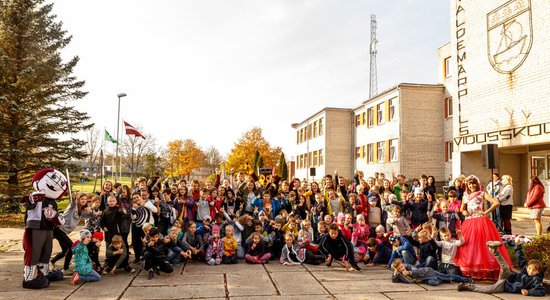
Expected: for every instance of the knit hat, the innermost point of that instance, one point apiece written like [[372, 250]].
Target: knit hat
[[261, 213], [380, 228], [215, 228], [85, 233], [341, 216], [98, 236], [418, 191], [360, 217], [208, 218], [373, 199], [393, 238]]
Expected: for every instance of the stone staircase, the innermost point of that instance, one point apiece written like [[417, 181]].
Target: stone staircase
[[523, 214]]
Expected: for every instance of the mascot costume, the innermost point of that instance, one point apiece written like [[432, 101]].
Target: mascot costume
[[40, 218]]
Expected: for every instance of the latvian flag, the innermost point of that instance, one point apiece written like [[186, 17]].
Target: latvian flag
[[130, 130]]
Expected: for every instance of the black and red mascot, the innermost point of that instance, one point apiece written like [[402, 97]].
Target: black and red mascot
[[41, 217]]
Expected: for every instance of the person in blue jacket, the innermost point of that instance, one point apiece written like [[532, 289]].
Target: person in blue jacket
[[403, 249]]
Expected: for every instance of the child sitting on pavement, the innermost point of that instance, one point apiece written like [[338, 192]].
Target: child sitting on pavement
[[116, 256], [155, 261], [448, 250], [528, 282], [402, 249], [214, 251], [82, 261], [335, 246]]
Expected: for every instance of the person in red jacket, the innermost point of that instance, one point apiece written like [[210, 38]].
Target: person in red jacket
[[535, 202]]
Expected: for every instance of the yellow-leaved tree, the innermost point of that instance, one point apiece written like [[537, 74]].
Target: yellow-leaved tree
[[245, 148], [182, 158]]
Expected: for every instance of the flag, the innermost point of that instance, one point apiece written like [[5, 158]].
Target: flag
[[109, 138], [130, 130]]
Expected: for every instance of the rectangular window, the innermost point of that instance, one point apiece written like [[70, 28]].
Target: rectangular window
[[447, 66], [363, 118], [315, 129], [321, 161], [314, 161], [321, 126], [370, 154], [393, 150], [297, 137], [357, 120], [357, 154], [310, 159], [392, 108], [380, 113], [370, 117], [448, 151], [301, 135], [380, 152], [448, 107]]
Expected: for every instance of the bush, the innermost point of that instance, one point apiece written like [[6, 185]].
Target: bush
[[539, 249]]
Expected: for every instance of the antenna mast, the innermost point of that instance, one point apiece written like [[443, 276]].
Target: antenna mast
[[373, 84]]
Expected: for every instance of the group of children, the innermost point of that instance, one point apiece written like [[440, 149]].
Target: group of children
[[376, 220]]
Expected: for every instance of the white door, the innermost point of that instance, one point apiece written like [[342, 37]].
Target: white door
[[540, 168]]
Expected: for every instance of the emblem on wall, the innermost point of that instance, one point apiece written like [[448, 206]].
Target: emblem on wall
[[509, 35]]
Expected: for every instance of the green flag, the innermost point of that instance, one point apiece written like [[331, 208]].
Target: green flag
[[109, 138]]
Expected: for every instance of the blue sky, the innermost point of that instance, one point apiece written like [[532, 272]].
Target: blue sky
[[210, 70]]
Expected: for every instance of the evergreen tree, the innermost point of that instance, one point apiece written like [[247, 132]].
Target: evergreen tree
[[283, 168], [36, 121]]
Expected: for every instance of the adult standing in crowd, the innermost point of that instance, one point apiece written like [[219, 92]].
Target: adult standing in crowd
[[506, 199], [535, 202]]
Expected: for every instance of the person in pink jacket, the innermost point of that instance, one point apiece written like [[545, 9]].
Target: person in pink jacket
[[535, 202]]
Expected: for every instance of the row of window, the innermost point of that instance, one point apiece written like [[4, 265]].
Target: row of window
[[378, 114], [311, 159], [379, 152], [311, 131]]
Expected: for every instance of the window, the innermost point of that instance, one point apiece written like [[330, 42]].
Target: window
[[297, 137], [392, 108], [393, 150], [448, 107], [380, 153], [315, 129], [357, 152], [370, 154], [309, 159], [301, 135], [363, 118], [357, 120], [314, 161], [320, 157], [380, 113], [448, 151], [321, 126], [447, 66], [370, 117], [309, 132]]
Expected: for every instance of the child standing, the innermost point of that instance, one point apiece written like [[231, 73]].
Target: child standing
[[528, 282], [214, 252], [110, 220], [82, 262], [256, 251], [375, 213], [445, 218], [397, 222]]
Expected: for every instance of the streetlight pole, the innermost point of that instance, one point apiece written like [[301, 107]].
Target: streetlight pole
[[120, 95]]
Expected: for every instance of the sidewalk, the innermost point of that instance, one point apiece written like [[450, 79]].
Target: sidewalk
[[242, 281]]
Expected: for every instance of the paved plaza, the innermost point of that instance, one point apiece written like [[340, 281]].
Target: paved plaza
[[242, 281]]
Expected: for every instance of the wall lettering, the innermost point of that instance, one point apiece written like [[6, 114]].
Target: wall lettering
[[504, 135]]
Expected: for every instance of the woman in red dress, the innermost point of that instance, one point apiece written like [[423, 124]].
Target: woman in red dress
[[473, 257]]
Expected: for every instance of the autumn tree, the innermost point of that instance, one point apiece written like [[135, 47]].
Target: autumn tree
[[37, 119], [182, 158], [133, 151], [213, 159], [244, 150]]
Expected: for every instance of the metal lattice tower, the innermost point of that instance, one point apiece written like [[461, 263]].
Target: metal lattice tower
[[373, 83]]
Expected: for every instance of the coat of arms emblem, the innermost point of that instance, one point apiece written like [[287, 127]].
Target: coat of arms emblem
[[509, 35]]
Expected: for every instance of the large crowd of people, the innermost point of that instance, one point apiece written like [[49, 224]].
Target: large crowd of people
[[423, 235]]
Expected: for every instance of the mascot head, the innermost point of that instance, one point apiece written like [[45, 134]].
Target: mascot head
[[51, 182]]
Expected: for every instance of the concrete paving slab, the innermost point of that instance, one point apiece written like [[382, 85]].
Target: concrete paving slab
[[507, 296], [242, 267], [438, 295], [250, 284], [108, 288], [275, 266], [176, 292], [328, 276], [293, 283], [442, 287], [370, 286], [302, 297], [369, 296], [175, 280], [35, 294]]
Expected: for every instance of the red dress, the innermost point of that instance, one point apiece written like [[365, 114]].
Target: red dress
[[473, 257]]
